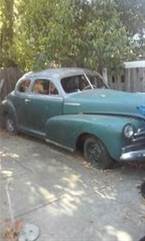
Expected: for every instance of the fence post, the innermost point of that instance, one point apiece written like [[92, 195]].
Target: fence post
[[105, 75], [1, 86]]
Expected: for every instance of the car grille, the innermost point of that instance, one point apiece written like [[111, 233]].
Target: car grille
[[139, 136], [136, 143]]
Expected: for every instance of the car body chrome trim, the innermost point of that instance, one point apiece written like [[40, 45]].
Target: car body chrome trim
[[59, 145], [72, 104], [139, 133], [133, 155], [139, 138]]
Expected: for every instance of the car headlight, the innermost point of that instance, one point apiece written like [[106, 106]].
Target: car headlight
[[128, 131]]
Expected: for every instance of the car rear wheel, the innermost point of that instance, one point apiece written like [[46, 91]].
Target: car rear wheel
[[96, 153], [10, 124]]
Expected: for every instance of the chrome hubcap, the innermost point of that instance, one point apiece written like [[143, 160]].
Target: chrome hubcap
[[94, 152], [10, 125]]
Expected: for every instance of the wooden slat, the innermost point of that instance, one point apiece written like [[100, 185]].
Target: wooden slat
[[9, 77]]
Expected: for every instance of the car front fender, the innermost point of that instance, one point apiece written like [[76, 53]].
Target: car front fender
[[66, 130]]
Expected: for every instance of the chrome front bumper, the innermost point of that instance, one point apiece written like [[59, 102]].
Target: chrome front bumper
[[138, 155], [135, 150]]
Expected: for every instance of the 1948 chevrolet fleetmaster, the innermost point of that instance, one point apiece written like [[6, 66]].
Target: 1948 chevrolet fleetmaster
[[74, 108]]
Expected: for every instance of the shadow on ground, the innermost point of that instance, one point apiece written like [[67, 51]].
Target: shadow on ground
[[66, 197]]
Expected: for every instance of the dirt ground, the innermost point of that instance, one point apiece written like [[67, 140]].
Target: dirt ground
[[66, 198]]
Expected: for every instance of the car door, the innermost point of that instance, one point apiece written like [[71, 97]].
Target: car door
[[43, 103], [20, 99]]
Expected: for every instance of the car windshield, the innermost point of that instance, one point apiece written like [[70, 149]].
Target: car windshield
[[82, 82]]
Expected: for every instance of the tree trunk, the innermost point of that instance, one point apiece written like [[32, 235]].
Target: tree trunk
[[6, 33]]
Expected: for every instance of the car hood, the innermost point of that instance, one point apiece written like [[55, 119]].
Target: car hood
[[106, 101]]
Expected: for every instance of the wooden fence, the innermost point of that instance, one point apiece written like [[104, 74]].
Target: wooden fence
[[131, 79], [8, 79]]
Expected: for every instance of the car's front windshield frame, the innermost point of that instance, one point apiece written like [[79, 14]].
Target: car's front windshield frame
[[87, 78], [99, 76]]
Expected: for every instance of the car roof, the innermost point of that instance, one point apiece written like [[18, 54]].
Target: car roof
[[58, 72]]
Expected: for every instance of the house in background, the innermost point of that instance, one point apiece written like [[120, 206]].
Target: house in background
[[131, 78]]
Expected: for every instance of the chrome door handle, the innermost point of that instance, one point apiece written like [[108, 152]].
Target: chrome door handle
[[27, 101]]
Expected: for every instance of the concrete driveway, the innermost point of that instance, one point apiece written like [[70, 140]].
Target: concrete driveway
[[66, 198]]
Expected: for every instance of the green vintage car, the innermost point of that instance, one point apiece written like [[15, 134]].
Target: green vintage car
[[74, 108]]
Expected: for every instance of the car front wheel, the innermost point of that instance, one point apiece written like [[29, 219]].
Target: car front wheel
[[96, 153]]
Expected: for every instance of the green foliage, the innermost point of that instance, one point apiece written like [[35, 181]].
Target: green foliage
[[6, 32], [132, 14], [107, 38], [98, 33]]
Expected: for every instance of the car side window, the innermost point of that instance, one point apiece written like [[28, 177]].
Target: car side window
[[24, 85], [44, 87], [74, 83]]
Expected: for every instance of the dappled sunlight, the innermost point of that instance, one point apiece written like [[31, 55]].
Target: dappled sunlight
[[46, 194], [67, 201], [104, 195], [69, 204], [7, 154], [71, 197], [36, 154], [63, 187], [66, 205], [6, 173], [105, 192], [37, 191], [67, 198], [72, 180], [120, 235]]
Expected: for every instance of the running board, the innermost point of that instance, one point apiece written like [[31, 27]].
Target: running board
[[59, 145]]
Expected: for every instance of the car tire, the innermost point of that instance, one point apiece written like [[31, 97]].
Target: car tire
[[96, 153], [10, 125]]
